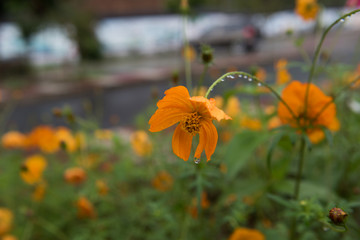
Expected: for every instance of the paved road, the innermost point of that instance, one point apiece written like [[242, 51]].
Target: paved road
[[125, 88]]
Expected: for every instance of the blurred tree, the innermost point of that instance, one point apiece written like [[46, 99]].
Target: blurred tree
[[33, 15]]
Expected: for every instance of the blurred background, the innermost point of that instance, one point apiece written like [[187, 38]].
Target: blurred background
[[111, 58]]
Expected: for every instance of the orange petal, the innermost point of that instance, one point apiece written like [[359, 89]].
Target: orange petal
[[164, 118], [211, 138], [181, 143], [202, 143], [207, 108], [176, 97]]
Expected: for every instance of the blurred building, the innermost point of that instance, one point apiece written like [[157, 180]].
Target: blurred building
[[108, 8]]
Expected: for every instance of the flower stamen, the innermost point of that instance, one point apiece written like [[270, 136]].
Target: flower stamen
[[191, 123]]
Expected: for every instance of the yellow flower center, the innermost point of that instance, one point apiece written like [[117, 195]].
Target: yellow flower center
[[191, 123]]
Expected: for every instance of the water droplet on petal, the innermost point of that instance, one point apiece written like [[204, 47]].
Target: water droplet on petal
[[196, 160], [259, 84]]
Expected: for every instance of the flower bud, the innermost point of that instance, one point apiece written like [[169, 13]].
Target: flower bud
[[337, 216], [206, 54]]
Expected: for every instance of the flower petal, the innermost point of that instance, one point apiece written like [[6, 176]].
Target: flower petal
[[181, 143], [164, 118], [202, 143], [176, 97], [211, 138]]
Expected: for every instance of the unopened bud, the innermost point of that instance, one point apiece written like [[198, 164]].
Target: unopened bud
[[337, 216], [206, 54], [57, 112]]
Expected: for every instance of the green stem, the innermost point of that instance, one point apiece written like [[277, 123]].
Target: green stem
[[187, 60], [255, 79], [198, 189], [202, 77], [317, 52], [293, 234]]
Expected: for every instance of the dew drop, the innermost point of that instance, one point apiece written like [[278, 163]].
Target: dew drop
[[196, 160], [342, 20], [250, 79], [259, 84], [231, 76], [325, 229], [211, 90], [245, 76], [240, 76], [222, 80]]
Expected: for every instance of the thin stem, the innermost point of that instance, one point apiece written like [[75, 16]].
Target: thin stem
[[317, 52], [187, 60], [293, 234], [198, 189], [202, 77], [255, 79]]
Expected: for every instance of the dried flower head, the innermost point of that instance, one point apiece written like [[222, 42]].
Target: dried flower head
[[337, 216]]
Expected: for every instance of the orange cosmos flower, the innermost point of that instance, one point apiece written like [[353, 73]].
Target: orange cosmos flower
[[307, 9], [44, 137], [312, 120], [194, 114], [32, 169], [66, 138], [246, 233], [39, 192], [141, 143], [85, 208], [75, 175], [282, 74]]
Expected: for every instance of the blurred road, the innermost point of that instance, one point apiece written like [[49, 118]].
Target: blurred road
[[123, 89]]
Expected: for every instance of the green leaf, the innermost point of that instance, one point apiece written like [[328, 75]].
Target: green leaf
[[241, 148], [284, 202]]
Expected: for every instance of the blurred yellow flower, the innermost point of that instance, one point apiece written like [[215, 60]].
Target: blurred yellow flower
[[226, 136], [103, 134], [88, 160], [250, 123], [199, 91], [233, 107], [270, 109], [282, 74], [44, 137], [32, 169], [223, 168], [85, 208], [307, 9], [246, 234], [6, 220], [163, 181], [219, 101], [189, 53], [80, 139], [141, 143], [102, 187], [39, 192], [231, 198], [75, 175], [13, 139], [66, 138]]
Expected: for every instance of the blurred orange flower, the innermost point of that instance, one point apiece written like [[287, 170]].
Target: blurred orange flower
[[189, 53], [250, 123], [66, 138], [246, 234], [43, 137], [274, 122], [85, 208], [310, 121], [102, 187], [282, 74], [163, 181], [9, 237], [307, 9], [195, 115], [39, 192], [13, 139], [205, 203], [233, 108], [75, 175], [32, 169], [260, 74], [6, 220], [141, 143]]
